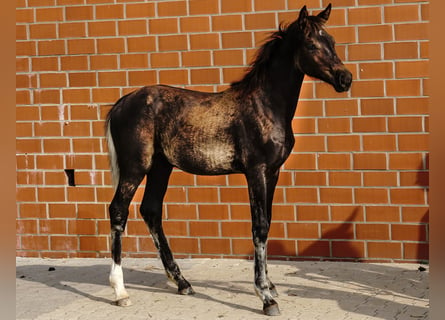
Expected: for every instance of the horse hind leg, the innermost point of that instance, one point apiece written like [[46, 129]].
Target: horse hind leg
[[151, 211], [118, 211]]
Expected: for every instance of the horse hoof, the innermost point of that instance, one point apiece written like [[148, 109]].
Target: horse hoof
[[185, 288], [124, 302], [271, 309], [186, 291]]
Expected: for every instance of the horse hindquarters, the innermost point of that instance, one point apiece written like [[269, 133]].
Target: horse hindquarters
[[128, 170]]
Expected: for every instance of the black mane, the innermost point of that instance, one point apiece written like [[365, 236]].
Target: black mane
[[257, 72]]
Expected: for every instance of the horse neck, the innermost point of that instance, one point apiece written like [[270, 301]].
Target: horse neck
[[283, 85]]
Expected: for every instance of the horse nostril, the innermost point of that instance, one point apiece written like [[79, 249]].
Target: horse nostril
[[344, 79]]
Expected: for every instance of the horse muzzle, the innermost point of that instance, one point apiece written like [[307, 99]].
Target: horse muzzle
[[343, 80]]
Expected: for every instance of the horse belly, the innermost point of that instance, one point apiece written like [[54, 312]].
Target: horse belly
[[201, 156]]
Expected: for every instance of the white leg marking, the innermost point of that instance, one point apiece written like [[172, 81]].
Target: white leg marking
[[117, 282]]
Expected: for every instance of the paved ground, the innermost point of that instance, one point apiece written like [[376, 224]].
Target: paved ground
[[78, 289]]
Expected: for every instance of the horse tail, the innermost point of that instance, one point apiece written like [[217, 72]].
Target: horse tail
[[112, 156]]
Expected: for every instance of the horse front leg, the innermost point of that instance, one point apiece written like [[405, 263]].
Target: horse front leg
[[261, 189]]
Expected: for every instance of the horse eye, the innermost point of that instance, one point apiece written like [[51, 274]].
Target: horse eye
[[312, 47]]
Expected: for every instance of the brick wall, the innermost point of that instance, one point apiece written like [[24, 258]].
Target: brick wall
[[354, 187]]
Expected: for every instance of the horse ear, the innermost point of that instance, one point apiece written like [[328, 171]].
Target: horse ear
[[302, 17], [324, 15]]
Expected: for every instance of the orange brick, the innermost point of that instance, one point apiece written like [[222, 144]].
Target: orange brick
[[369, 124], [32, 210], [110, 11], [371, 195], [75, 62], [194, 24], [312, 213], [412, 105], [238, 195], [413, 142], [81, 46], [335, 195], [134, 60], [357, 52], [415, 214], [332, 161], [164, 25], [309, 143], [236, 40], [79, 13], [376, 33], [72, 29], [408, 196], [204, 41], [51, 194], [401, 13], [42, 31], [228, 57], [301, 161], [310, 179], [401, 50], [337, 231], [344, 179], [379, 142], [236, 6], [49, 161], [173, 76], [113, 78], [259, 21], [370, 15], [132, 27], [372, 231], [348, 249], [334, 125], [139, 10], [141, 44], [367, 88], [226, 22], [347, 213], [314, 248], [381, 70], [412, 69], [415, 178], [301, 195], [141, 78], [98, 244], [341, 107], [112, 45], [344, 143], [52, 227], [377, 106], [102, 28], [382, 213], [51, 47], [172, 8], [194, 58], [343, 34], [82, 79], [376, 179], [405, 124], [34, 242], [417, 251], [204, 7], [211, 212], [384, 250], [173, 43], [411, 31], [303, 230], [204, 76], [216, 246]]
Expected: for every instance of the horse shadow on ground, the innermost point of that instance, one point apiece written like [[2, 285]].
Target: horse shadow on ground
[[370, 282]]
